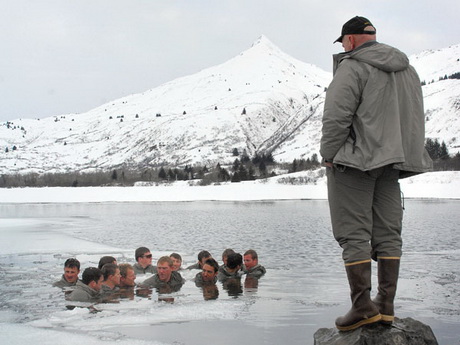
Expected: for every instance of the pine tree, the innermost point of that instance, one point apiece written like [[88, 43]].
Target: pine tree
[[162, 174], [236, 164], [236, 177], [263, 168], [443, 152]]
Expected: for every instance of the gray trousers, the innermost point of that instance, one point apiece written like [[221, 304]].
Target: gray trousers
[[366, 212]]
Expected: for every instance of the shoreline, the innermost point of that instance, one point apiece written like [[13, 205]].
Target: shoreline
[[429, 186]]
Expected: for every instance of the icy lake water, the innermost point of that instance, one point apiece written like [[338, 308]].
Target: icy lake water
[[305, 287]]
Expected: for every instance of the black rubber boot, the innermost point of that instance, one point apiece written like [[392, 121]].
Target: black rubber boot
[[388, 273], [362, 311]]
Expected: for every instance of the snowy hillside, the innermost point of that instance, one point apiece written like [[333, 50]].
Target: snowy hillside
[[262, 100], [255, 101], [442, 97]]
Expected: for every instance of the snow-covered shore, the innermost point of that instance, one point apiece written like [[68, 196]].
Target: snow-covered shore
[[436, 185]]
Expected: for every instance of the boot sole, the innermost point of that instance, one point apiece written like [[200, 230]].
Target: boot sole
[[387, 319], [363, 322]]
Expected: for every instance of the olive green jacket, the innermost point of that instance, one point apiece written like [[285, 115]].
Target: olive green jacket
[[138, 269], [63, 283], [83, 293]]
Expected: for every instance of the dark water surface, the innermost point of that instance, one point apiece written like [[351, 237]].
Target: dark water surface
[[305, 287]]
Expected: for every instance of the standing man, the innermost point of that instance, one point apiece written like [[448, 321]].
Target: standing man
[[70, 276], [373, 134], [143, 263]]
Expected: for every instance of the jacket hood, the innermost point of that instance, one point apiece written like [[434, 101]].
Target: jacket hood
[[378, 55]]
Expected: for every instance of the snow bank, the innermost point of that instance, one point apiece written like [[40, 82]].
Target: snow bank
[[438, 185]]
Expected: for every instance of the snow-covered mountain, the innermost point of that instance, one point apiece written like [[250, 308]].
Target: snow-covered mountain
[[441, 96], [262, 100], [258, 101]]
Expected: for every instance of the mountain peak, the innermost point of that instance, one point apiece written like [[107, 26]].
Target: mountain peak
[[262, 40], [264, 44]]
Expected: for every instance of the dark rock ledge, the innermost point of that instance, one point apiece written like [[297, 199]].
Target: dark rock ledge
[[402, 332]]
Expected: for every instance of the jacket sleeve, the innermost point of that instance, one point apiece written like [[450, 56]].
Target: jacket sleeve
[[342, 99]]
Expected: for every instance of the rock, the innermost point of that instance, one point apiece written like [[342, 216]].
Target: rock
[[402, 332]]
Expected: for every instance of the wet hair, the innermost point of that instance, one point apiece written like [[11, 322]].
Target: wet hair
[[72, 263], [109, 270], [91, 274], [227, 252], [140, 252], [234, 260], [124, 268], [203, 254], [176, 256], [253, 254], [213, 263], [166, 259], [106, 260]]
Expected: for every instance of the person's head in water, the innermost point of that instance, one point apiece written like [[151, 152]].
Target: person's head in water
[[177, 261], [106, 260], [143, 256], [225, 255], [251, 259], [210, 270], [203, 256], [71, 270], [128, 276], [93, 277], [234, 262], [164, 268], [111, 274]]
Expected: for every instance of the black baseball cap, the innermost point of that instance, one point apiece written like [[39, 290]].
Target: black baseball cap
[[356, 26]]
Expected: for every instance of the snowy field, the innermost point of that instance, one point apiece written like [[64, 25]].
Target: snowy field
[[437, 185]]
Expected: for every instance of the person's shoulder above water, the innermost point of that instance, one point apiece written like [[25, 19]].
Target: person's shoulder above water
[[152, 281], [195, 266], [176, 278], [108, 290], [83, 293], [63, 283], [256, 271], [138, 269]]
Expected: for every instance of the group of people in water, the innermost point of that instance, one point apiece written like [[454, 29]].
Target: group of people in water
[[110, 280]]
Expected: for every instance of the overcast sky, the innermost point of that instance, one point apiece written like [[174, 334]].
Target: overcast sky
[[69, 56]]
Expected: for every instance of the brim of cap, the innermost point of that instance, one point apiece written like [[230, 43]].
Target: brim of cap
[[339, 39]]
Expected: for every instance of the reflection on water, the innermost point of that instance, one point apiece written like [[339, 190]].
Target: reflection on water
[[304, 289]]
